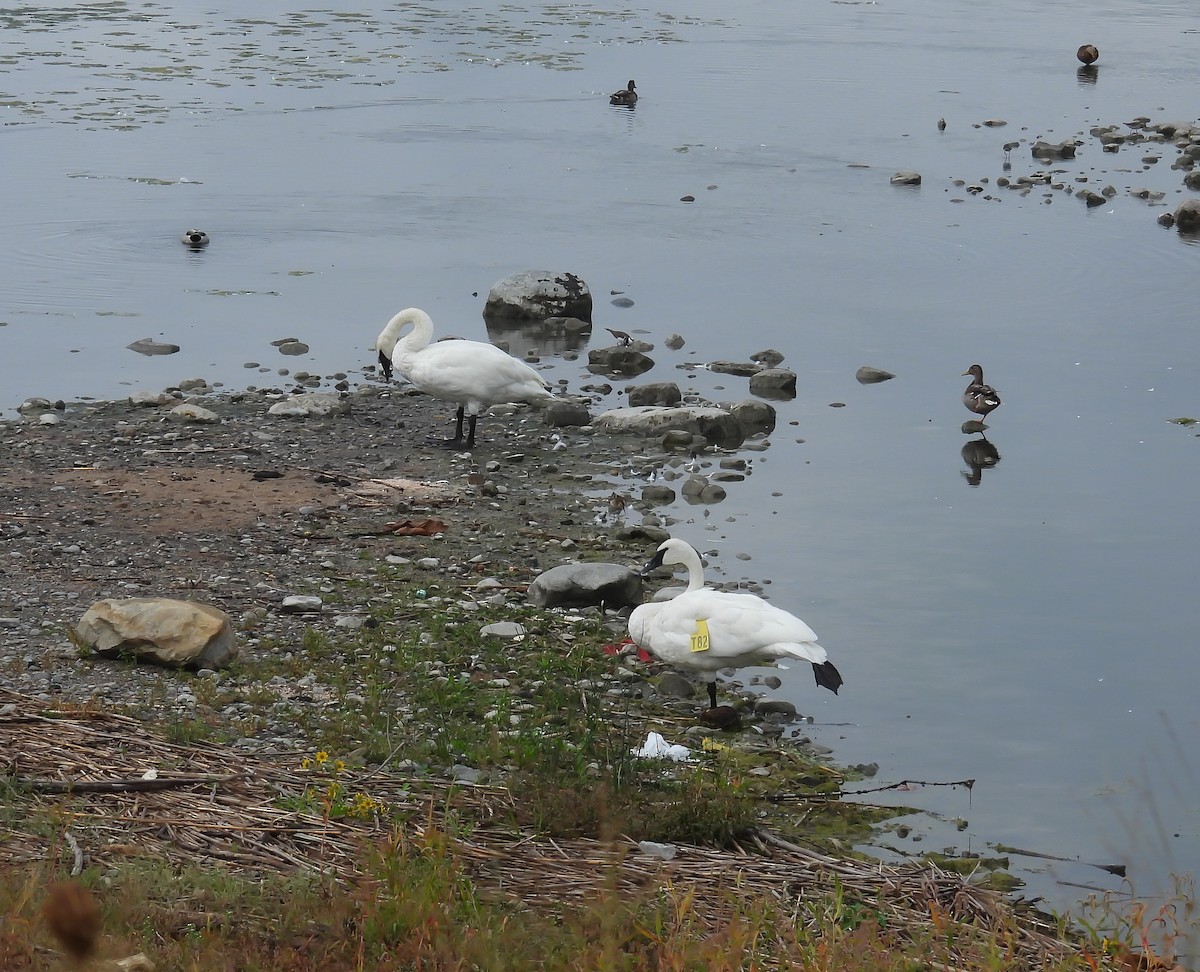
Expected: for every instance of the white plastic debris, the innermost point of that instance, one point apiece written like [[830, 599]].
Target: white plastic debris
[[656, 747], [654, 849]]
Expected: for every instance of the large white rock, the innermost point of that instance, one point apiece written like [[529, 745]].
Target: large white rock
[[538, 294], [310, 403], [159, 629], [715, 424], [194, 413]]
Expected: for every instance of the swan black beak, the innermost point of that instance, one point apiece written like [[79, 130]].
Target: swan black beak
[[385, 363], [654, 564]]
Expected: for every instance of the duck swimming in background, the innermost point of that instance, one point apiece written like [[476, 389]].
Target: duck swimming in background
[[706, 630], [627, 96], [1087, 54], [470, 373], [978, 397]]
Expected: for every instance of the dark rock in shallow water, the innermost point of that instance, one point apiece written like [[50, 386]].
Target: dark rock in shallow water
[[658, 495], [149, 346], [1187, 216], [618, 360], [743, 368], [698, 491], [777, 383], [866, 375], [754, 416], [658, 393], [775, 710], [1054, 150], [768, 357]]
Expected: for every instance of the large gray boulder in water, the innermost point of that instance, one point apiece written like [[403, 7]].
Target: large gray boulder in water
[[538, 294]]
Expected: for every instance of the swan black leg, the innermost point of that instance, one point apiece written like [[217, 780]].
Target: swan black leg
[[471, 431], [712, 693], [457, 441]]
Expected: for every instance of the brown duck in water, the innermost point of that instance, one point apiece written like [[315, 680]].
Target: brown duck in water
[[626, 96], [1087, 54], [978, 397]]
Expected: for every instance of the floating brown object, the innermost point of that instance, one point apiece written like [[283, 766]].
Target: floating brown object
[[978, 397], [73, 917], [627, 96], [1087, 54]]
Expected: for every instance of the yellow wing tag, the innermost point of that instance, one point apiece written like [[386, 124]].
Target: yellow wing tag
[[700, 640]]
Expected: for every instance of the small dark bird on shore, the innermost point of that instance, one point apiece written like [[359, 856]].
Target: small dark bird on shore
[[978, 397], [627, 96], [624, 337], [1087, 54]]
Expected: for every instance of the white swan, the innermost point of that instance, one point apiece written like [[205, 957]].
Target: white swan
[[707, 630], [470, 373]]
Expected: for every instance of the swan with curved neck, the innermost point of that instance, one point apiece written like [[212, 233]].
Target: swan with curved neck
[[471, 374], [706, 630]]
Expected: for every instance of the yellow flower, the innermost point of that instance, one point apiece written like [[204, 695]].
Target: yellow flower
[[306, 763], [322, 758], [339, 765], [365, 806]]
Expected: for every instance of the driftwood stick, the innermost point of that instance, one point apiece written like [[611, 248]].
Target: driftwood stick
[[969, 784], [116, 786]]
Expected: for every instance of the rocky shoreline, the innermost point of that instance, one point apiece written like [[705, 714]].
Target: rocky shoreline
[[280, 521]]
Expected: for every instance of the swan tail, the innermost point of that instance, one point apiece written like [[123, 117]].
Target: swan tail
[[827, 676]]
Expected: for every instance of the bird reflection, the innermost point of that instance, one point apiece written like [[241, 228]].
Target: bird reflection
[[979, 454], [1087, 74]]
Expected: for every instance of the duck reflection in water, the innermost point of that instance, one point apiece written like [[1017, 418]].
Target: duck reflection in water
[[979, 454]]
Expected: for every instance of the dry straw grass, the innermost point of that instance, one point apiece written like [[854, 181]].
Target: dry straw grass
[[212, 806]]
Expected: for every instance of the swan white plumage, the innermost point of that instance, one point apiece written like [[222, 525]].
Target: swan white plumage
[[706, 630], [472, 374]]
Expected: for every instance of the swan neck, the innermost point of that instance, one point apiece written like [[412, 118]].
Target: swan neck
[[695, 575], [418, 338]]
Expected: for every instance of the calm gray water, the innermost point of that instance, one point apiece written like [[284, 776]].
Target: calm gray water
[[1036, 633]]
